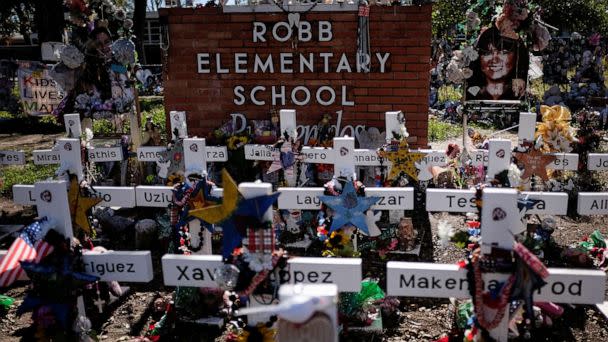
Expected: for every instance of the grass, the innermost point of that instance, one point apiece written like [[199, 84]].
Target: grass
[[440, 131], [24, 174]]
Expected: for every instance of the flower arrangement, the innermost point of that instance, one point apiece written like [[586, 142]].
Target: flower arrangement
[[554, 133]]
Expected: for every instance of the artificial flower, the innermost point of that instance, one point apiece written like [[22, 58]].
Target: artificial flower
[[555, 132], [470, 54], [128, 24], [120, 14], [445, 231], [514, 175], [71, 57], [262, 334], [258, 262]]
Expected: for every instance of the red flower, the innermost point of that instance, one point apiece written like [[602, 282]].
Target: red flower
[[473, 224]]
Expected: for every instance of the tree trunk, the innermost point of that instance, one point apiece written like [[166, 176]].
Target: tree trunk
[[139, 27], [49, 20]]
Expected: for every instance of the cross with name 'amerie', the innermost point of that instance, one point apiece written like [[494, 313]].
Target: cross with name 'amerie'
[[501, 220]]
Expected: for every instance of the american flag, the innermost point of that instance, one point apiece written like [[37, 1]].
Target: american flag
[[29, 246]]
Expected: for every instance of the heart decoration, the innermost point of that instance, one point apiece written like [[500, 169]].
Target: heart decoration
[[294, 19]]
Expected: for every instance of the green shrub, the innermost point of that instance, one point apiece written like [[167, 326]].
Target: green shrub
[[157, 113], [149, 102], [24, 174], [102, 127], [449, 93]]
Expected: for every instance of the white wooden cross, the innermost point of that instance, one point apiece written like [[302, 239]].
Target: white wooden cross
[[199, 270], [53, 155], [126, 266], [12, 158], [527, 127], [196, 154], [345, 161], [52, 202], [195, 158], [443, 281], [67, 146], [287, 124], [436, 280]]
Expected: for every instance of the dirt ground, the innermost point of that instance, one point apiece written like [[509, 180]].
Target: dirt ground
[[418, 319]]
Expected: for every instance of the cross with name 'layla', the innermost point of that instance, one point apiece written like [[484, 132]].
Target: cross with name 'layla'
[[501, 220], [200, 270]]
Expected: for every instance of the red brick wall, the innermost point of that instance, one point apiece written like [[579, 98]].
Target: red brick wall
[[405, 32]]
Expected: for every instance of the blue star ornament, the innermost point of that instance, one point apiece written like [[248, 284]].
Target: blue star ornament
[[256, 206], [349, 209]]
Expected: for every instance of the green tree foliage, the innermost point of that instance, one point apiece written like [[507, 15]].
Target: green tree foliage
[[16, 16], [583, 16], [447, 14]]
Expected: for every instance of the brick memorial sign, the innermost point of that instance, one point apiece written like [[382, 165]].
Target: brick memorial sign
[[222, 63]]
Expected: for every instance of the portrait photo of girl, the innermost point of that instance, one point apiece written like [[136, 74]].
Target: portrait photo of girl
[[501, 71]]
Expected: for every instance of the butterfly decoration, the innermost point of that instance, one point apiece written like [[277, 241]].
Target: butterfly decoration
[[349, 209], [79, 205], [285, 156]]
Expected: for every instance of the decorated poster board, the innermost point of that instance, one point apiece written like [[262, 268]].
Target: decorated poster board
[[38, 91]]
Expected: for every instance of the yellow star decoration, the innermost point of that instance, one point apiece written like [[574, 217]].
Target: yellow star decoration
[[217, 213], [79, 205], [402, 161], [199, 201]]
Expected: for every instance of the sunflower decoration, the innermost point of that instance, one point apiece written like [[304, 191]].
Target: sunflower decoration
[[339, 244], [175, 179], [554, 133], [236, 141]]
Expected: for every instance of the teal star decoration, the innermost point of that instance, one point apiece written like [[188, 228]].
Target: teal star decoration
[[349, 209]]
